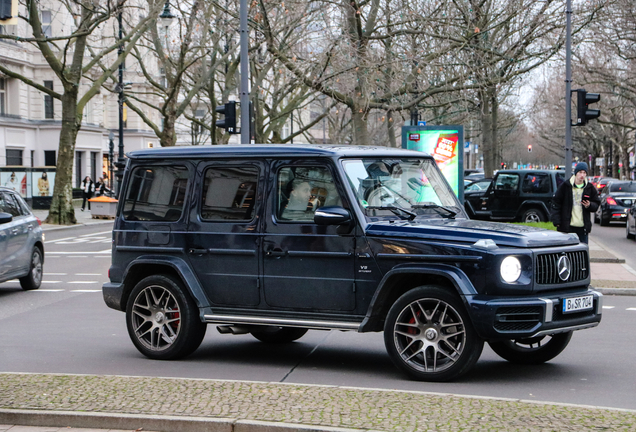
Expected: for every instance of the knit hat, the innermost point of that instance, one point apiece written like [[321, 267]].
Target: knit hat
[[581, 166]]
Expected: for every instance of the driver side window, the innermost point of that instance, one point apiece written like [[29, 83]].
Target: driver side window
[[303, 190]]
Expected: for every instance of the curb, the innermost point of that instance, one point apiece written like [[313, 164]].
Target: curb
[[607, 260], [617, 291], [152, 422], [56, 228]]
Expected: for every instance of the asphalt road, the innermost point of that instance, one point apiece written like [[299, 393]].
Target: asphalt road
[[613, 237], [65, 327]]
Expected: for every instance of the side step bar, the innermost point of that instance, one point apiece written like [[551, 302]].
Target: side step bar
[[283, 322]]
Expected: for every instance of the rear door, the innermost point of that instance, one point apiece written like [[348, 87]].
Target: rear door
[[223, 235]]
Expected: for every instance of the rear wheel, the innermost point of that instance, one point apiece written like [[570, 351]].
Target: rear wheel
[[429, 335], [274, 334], [33, 280], [603, 221], [532, 350], [163, 320], [533, 215]]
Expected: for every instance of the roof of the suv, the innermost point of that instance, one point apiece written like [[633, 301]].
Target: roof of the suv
[[517, 171], [271, 150]]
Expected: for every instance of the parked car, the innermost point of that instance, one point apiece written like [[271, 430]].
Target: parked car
[[630, 226], [274, 240], [21, 242], [478, 185], [515, 195], [616, 199], [594, 180], [602, 182], [479, 175]]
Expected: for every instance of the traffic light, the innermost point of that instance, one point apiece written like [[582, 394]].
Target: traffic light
[[229, 122], [583, 112], [529, 148]]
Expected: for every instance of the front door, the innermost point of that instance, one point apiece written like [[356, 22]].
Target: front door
[[503, 199], [306, 266], [223, 237]]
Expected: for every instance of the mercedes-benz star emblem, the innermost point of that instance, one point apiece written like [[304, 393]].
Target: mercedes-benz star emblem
[[563, 267]]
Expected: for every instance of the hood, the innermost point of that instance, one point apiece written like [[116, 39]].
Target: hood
[[470, 231]]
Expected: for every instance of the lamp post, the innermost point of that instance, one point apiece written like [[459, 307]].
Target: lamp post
[[121, 162], [166, 18]]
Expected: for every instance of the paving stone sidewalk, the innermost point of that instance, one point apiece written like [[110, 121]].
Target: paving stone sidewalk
[[318, 406]]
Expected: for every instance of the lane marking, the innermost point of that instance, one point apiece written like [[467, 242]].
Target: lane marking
[[62, 239], [51, 281], [46, 290], [86, 290], [105, 251], [88, 274], [56, 274], [609, 307], [83, 282], [630, 309], [98, 233]]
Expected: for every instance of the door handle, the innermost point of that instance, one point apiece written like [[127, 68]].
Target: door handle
[[276, 252], [195, 251], [14, 231]]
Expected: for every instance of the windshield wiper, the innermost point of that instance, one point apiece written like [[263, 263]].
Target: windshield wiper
[[395, 210], [437, 207]]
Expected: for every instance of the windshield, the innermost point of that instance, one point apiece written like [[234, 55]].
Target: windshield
[[401, 188]]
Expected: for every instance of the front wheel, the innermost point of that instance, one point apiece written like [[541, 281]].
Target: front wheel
[[163, 320], [428, 335], [278, 335], [531, 351], [533, 215], [33, 280]]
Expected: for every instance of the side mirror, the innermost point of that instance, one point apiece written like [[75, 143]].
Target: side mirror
[[332, 215], [5, 217]]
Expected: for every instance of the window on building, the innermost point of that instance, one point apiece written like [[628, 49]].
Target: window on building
[[3, 96], [156, 194], [78, 169], [49, 158], [46, 23], [229, 193], [14, 157], [49, 111], [32, 158]]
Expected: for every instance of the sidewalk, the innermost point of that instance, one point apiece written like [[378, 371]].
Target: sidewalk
[[610, 275], [83, 218], [171, 404]]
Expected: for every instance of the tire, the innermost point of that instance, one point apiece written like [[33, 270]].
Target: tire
[[278, 335], [533, 215], [532, 351], [627, 233], [163, 320], [603, 221], [429, 336], [595, 218], [33, 280]]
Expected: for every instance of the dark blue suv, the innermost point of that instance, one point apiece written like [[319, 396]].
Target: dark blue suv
[[274, 240]]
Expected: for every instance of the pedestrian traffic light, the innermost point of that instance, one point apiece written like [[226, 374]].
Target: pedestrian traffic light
[[229, 122], [583, 112], [529, 148]]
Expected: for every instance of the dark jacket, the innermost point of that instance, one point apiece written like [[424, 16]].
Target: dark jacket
[[562, 202]]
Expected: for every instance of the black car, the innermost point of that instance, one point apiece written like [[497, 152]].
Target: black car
[[275, 240], [515, 195], [616, 199], [602, 182]]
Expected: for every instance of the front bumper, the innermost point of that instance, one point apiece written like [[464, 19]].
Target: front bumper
[[515, 318]]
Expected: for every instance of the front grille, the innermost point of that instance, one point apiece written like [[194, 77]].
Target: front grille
[[546, 271], [518, 318]]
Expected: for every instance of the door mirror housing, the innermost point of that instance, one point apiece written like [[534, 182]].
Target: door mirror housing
[[5, 217], [332, 215]]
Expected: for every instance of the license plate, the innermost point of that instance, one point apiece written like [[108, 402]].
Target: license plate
[[578, 304]]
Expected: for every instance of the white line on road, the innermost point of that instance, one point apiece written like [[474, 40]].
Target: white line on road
[[46, 290], [62, 239], [87, 291], [94, 234], [51, 281], [55, 274], [609, 307], [105, 251], [83, 282], [630, 309], [88, 274]]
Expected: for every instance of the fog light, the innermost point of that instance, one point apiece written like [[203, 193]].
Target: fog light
[[510, 269]]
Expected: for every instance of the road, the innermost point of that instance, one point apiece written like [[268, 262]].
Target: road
[[65, 328], [613, 237]]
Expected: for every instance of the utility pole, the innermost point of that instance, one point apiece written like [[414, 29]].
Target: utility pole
[[245, 67], [568, 89], [121, 162]]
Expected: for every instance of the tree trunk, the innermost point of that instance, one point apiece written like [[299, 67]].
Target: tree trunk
[[61, 211], [390, 128], [360, 132], [168, 136], [490, 158]]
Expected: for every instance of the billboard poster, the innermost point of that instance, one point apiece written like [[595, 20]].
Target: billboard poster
[[445, 144], [16, 180], [42, 183]]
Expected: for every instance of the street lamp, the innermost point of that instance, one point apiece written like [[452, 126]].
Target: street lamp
[[121, 162], [166, 18]]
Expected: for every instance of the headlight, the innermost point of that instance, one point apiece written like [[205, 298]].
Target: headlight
[[510, 269]]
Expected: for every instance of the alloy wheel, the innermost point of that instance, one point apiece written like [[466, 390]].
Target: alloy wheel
[[156, 318]]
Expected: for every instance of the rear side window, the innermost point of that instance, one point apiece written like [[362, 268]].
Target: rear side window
[[229, 193], [10, 205], [537, 183], [156, 193], [507, 182]]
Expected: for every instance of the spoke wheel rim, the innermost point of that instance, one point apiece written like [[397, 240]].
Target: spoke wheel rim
[[156, 318], [36, 267], [429, 335], [532, 217]]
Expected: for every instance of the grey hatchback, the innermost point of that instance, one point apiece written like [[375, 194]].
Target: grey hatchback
[[21, 242]]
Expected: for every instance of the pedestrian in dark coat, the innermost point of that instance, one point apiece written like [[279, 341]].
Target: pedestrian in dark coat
[[88, 187], [573, 203]]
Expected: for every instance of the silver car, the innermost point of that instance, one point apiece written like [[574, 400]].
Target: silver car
[[21, 242]]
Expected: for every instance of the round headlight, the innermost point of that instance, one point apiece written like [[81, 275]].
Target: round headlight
[[510, 269]]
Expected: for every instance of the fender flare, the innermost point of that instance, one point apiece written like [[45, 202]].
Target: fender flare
[[180, 266], [455, 276]]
